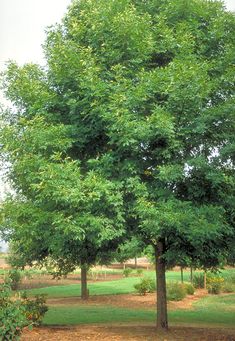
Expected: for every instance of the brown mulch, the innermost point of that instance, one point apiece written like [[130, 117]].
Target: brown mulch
[[122, 332], [134, 301]]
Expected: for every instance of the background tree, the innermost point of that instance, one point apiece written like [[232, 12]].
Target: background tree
[[58, 215], [147, 89]]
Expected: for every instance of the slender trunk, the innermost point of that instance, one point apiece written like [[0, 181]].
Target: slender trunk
[[162, 322], [205, 280], [135, 262], [182, 274], [84, 290], [191, 274]]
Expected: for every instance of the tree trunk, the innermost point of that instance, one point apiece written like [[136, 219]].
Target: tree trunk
[[84, 290], [191, 274], [162, 322], [135, 262], [182, 274]]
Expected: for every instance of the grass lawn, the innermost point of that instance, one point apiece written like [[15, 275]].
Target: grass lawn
[[212, 310], [121, 286]]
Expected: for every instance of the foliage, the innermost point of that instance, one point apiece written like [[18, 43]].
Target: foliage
[[130, 126], [215, 284], [126, 272], [12, 315], [13, 278], [145, 285], [189, 288], [198, 280], [228, 287], [17, 313], [131, 248], [175, 291], [139, 272], [35, 309]]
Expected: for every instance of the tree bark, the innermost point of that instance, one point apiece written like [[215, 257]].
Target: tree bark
[[182, 274], [84, 290], [162, 321], [135, 262], [191, 274]]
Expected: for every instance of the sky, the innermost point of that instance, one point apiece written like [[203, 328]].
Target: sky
[[23, 23], [22, 30]]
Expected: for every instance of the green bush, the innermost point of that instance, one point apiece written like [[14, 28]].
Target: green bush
[[230, 279], [146, 285], [189, 288], [228, 287], [12, 315], [215, 284], [198, 281], [175, 291], [35, 309], [139, 272], [127, 272], [17, 313], [13, 279]]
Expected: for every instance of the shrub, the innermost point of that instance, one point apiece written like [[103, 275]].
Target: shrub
[[13, 279], [175, 291], [230, 279], [17, 313], [189, 288], [127, 272], [12, 315], [198, 281], [139, 272], [228, 287], [214, 284], [35, 309], [28, 274], [145, 285]]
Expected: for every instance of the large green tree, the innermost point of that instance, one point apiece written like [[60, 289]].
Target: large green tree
[[147, 88]]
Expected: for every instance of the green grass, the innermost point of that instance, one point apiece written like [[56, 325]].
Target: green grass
[[208, 311], [93, 314], [217, 303], [122, 286]]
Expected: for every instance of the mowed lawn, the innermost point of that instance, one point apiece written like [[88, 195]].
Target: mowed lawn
[[213, 310], [121, 286]]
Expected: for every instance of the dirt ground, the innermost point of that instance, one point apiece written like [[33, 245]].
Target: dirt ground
[[134, 301], [122, 332]]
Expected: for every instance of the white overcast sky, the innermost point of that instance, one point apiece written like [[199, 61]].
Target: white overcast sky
[[22, 26]]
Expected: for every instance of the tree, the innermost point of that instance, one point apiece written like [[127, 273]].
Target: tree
[[58, 215], [147, 89], [131, 248]]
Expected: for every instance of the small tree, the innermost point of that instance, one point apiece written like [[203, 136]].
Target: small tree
[[59, 215]]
